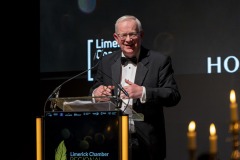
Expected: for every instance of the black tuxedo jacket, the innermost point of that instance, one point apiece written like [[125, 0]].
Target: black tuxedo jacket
[[155, 72]]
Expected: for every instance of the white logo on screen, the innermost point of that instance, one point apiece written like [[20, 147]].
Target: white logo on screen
[[98, 46]]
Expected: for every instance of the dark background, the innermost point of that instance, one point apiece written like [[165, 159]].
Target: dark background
[[188, 31]]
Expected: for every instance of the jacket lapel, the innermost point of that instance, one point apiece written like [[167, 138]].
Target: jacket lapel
[[142, 67], [141, 73], [116, 73]]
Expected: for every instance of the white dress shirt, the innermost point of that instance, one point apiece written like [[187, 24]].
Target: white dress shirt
[[129, 72]]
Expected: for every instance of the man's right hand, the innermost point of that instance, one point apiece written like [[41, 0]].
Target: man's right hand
[[103, 91]]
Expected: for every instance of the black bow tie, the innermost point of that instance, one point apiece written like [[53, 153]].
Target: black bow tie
[[124, 60]]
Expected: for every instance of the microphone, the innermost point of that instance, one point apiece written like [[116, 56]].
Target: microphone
[[56, 91], [122, 89]]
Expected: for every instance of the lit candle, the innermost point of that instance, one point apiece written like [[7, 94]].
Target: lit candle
[[212, 139], [192, 136], [233, 107]]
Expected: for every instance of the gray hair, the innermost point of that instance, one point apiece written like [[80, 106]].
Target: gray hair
[[128, 17]]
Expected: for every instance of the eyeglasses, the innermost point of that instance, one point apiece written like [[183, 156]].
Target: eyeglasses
[[131, 35]]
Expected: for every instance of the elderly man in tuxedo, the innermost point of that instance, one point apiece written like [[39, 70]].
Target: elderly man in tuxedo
[[147, 77]]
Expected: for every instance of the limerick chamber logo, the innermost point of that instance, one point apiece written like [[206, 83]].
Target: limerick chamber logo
[[95, 47]]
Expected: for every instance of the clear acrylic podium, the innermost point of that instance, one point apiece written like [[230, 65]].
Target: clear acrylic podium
[[71, 104], [68, 104]]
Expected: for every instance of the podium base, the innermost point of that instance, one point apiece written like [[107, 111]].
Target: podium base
[[138, 117]]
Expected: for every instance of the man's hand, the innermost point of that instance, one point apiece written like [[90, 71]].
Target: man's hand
[[103, 91], [134, 91]]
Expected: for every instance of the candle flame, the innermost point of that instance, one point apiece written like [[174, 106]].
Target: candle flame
[[191, 126], [236, 126], [232, 96], [212, 129]]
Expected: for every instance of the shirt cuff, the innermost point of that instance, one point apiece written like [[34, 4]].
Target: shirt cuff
[[143, 97]]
